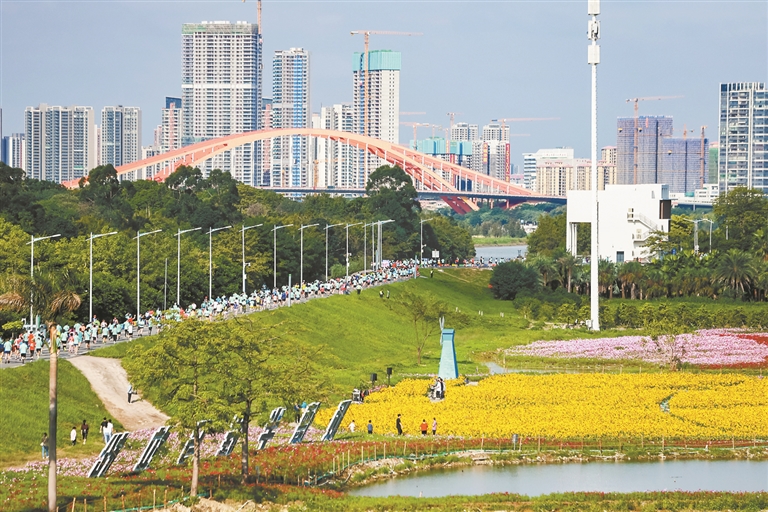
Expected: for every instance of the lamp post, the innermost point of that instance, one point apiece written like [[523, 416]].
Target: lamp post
[[178, 262], [365, 245], [90, 271], [32, 273], [274, 256], [593, 59], [326, 247], [301, 270], [211, 231], [696, 234], [139, 234], [347, 253], [379, 252], [242, 233], [711, 222], [421, 238]]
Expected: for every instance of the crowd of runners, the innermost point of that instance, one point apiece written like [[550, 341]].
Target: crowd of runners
[[28, 345]]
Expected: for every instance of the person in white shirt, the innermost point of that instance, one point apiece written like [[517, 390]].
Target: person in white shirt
[[73, 436]]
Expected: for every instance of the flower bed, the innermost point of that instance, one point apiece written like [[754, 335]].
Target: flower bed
[[713, 348]]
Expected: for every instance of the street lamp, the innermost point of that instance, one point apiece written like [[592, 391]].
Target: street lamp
[[32, 273], [593, 59], [421, 238], [139, 234], [211, 231], [326, 247], [696, 234], [347, 254], [301, 270], [242, 232], [379, 252], [90, 272], [365, 245], [178, 262], [711, 222], [274, 256]]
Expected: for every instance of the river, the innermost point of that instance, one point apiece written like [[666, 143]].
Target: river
[[539, 479], [501, 251]]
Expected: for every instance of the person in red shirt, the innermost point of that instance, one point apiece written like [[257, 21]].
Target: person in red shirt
[[424, 427]]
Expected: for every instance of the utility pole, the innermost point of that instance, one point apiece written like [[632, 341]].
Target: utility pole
[[593, 59]]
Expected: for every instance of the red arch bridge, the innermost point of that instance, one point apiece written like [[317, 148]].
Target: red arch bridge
[[459, 187]]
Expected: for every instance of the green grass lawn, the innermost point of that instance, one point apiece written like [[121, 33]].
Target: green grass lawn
[[24, 418]]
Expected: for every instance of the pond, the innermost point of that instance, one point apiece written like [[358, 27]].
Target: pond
[[539, 479], [501, 251]]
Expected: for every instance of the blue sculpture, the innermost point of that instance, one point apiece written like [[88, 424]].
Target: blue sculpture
[[449, 367]]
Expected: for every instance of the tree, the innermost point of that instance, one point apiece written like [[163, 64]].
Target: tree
[[511, 278], [546, 267], [391, 195], [180, 369], [736, 269], [742, 211], [51, 296], [549, 237], [423, 310], [263, 366], [567, 262]]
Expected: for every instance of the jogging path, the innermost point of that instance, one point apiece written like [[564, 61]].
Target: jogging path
[[110, 382]]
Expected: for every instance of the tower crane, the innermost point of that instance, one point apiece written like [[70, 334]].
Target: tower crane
[[636, 101], [506, 120], [415, 128], [366, 34]]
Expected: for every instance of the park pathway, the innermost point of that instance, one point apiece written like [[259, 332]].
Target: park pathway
[[110, 382]]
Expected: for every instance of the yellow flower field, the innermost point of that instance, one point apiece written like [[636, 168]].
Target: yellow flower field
[[575, 405]]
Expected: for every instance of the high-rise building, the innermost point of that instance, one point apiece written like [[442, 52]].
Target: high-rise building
[[290, 109], [335, 161], [651, 131], [464, 132], [530, 161], [608, 154], [377, 113], [680, 163], [266, 145], [13, 150], [120, 135], [556, 177], [743, 154], [714, 163], [59, 142], [221, 91], [170, 136]]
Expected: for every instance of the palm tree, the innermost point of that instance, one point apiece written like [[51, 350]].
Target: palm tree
[[567, 263], [629, 274], [606, 275], [52, 297], [545, 266], [736, 269]]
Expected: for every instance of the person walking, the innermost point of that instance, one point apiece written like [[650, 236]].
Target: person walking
[[370, 428], [424, 427], [108, 431], [84, 428], [399, 426], [73, 436], [103, 429], [130, 392], [44, 445], [434, 426]]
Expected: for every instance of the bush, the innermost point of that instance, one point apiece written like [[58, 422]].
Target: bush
[[511, 278]]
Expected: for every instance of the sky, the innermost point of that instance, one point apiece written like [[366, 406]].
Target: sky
[[480, 59]]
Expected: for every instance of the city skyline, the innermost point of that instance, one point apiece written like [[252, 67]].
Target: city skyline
[[544, 42]]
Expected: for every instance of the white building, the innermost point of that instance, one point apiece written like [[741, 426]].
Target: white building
[[628, 216], [334, 161], [464, 132], [221, 81], [530, 160], [376, 114], [60, 142], [290, 163], [120, 135], [13, 150], [170, 129]]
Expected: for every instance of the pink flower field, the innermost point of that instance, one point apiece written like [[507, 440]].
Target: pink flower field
[[713, 348]]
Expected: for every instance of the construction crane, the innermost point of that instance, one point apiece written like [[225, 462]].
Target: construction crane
[[506, 120], [415, 128], [258, 14], [366, 34], [452, 117], [636, 101]]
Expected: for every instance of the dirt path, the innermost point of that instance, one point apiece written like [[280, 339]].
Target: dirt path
[[110, 382]]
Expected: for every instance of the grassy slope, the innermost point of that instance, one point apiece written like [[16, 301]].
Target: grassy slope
[[24, 411], [362, 334]]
